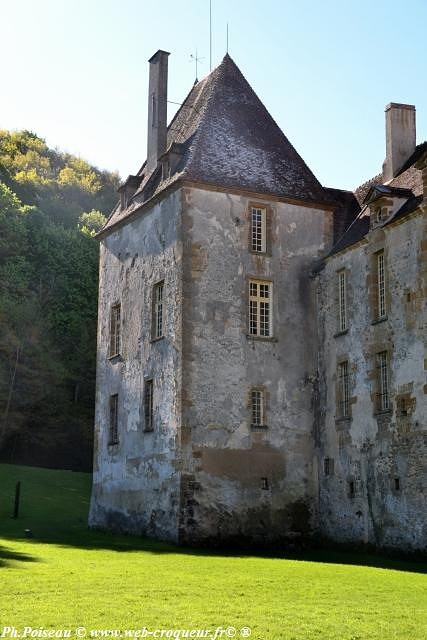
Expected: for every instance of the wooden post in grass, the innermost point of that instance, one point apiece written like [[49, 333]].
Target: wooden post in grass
[[17, 498]]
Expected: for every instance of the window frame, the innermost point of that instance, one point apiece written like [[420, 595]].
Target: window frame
[[115, 342], [343, 390], [328, 466], [381, 285], [113, 426], [158, 311], [342, 301], [257, 397], [148, 405], [254, 236], [255, 301], [384, 404]]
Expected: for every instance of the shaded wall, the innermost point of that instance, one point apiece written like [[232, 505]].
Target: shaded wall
[[136, 482], [384, 454]]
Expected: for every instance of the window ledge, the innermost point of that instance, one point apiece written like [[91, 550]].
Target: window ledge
[[113, 444], [148, 430], [383, 412], [157, 339], [344, 419], [259, 427], [266, 254], [249, 336], [340, 333], [117, 357], [379, 320]]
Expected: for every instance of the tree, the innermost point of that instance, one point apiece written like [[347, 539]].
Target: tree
[[92, 222], [48, 296]]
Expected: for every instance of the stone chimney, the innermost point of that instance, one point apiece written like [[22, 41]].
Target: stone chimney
[[157, 108], [421, 165], [400, 137]]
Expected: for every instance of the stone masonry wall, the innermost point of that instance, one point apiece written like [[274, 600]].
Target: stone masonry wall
[[136, 482], [373, 489], [226, 463]]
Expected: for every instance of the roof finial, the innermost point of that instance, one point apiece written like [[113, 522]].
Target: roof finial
[[226, 51], [196, 60]]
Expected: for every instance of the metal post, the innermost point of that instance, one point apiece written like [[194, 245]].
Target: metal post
[[17, 499]]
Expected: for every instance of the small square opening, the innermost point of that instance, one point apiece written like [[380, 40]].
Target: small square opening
[[264, 484]]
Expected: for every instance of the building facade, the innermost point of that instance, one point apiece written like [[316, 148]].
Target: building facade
[[260, 368]]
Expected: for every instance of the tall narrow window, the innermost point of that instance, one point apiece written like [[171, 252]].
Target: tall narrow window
[[258, 230], [114, 419], [343, 390], [381, 285], [148, 406], [342, 300], [328, 466], [384, 401], [260, 308], [115, 319], [257, 408], [158, 310]]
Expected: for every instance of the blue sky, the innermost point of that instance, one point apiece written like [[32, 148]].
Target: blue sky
[[76, 72]]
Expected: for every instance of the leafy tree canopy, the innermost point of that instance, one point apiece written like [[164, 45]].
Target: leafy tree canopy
[[51, 205]]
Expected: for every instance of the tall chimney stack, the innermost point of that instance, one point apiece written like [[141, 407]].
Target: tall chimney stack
[[157, 108], [400, 137]]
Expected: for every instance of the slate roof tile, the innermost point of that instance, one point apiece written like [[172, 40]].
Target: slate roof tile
[[228, 139], [408, 182]]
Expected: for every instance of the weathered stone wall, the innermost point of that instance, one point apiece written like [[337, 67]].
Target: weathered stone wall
[[224, 459], [383, 454], [136, 482]]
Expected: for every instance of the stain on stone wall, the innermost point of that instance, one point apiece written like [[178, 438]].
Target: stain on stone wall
[[377, 491], [248, 484], [136, 482]]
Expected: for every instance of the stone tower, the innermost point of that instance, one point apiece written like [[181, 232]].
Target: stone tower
[[207, 351]]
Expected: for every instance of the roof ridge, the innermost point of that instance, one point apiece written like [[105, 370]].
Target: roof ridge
[[183, 103], [367, 182], [215, 76], [227, 57], [228, 74]]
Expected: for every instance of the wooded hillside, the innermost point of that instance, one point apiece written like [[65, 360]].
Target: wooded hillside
[[51, 205]]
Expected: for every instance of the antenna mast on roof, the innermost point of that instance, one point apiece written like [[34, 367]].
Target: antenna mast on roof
[[210, 35], [227, 40], [196, 60]]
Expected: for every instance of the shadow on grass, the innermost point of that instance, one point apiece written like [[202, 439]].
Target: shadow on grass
[[88, 539], [55, 505], [9, 557]]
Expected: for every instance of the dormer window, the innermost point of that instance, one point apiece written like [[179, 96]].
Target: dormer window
[[171, 159], [123, 199], [384, 201], [380, 211], [128, 189]]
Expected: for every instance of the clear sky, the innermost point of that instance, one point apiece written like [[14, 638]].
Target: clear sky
[[75, 72]]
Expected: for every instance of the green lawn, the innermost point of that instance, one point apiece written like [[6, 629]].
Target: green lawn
[[67, 576]]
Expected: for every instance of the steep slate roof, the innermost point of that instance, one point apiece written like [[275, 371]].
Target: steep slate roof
[[226, 137], [347, 208], [408, 182]]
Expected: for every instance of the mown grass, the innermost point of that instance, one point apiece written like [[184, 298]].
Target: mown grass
[[67, 576]]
